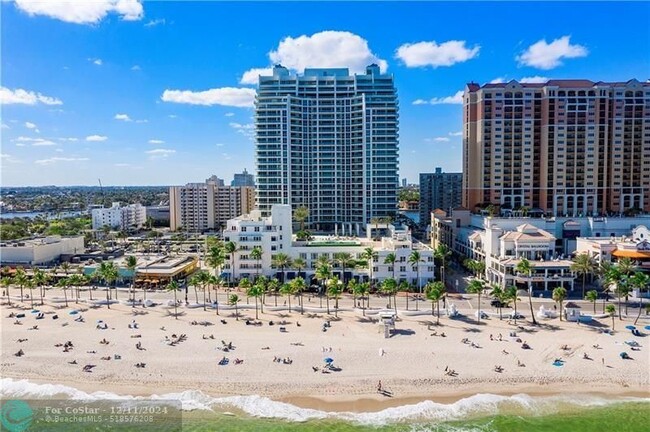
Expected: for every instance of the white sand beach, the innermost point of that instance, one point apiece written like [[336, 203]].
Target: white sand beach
[[415, 364]]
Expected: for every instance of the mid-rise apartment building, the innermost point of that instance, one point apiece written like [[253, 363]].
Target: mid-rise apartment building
[[243, 179], [273, 235], [199, 207], [328, 140], [439, 190], [132, 216], [564, 147]]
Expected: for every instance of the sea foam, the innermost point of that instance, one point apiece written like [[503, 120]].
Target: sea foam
[[258, 406]]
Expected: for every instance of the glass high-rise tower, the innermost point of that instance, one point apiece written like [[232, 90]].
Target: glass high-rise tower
[[328, 140]]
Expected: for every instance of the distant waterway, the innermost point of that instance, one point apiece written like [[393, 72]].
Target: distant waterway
[[48, 215]]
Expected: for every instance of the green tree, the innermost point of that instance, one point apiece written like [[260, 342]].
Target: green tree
[[109, 274], [334, 290], [298, 286], [592, 296], [6, 283], [498, 294], [132, 265], [442, 253], [64, 283], [256, 254], [323, 272], [390, 259], [389, 287], [274, 287], [245, 284], [434, 292], [76, 280], [233, 299], [415, 259], [281, 261], [476, 287], [611, 311], [173, 287], [511, 294], [230, 248], [30, 285], [300, 215], [20, 279], [583, 265], [255, 291], [287, 289], [40, 278], [559, 294], [640, 281], [525, 267]]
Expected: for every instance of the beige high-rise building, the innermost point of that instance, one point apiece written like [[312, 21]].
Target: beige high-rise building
[[565, 147], [198, 207]]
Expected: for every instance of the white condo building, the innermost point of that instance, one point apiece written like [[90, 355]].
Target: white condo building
[[118, 217], [328, 140], [273, 234]]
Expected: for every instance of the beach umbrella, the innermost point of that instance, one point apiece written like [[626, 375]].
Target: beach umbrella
[[630, 327], [647, 327], [73, 312], [35, 311], [329, 360]]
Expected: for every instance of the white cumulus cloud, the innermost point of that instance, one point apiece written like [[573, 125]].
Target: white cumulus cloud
[[30, 125], [327, 49], [226, 96], [459, 133], [36, 142], [55, 159], [82, 12], [156, 141], [435, 55], [159, 153], [457, 98], [136, 68], [544, 55], [25, 97], [153, 23], [441, 139], [96, 138], [123, 117], [251, 75], [98, 62], [534, 80]]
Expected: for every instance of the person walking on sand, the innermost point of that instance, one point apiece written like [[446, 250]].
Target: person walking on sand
[[379, 388]]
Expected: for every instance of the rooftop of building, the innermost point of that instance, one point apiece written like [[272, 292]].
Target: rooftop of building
[[36, 241], [560, 83]]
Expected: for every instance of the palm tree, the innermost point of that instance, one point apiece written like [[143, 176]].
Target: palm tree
[[6, 283], [390, 260], [216, 282], [109, 273], [281, 261], [592, 296], [255, 291], [298, 286], [611, 311], [404, 286], [370, 256], [65, 266], [274, 286], [299, 264], [389, 287], [245, 284], [300, 215], [216, 257], [40, 279], [263, 283], [476, 287], [352, 287], [131, 265], [345, 260], [526, 268], [559, 294], [230, 248], [76, 280], [334, 289], [232, 301], [415, 259], [256, 254], [30, 285], [64, 283], [323, 272], [583, 265], [640, 281], [498, 294], [20, 279], [287, 289], [434, 292], [173, 286], [511, 294], [442, 252]]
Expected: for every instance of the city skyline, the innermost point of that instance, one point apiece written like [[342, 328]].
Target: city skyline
[[157, 94]]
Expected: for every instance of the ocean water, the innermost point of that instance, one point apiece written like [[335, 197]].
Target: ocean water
[[201, 412]]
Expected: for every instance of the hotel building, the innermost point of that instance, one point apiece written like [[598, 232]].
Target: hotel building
[[118, 217], [439, 190], [564, 147], [328, 140], [199, 207]]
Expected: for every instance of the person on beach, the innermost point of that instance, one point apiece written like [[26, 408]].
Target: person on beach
[[379, 388]]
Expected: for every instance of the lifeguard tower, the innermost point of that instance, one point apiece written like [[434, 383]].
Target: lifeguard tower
[[387, 319]]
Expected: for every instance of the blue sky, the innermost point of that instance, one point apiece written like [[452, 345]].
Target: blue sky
[[152, 93]]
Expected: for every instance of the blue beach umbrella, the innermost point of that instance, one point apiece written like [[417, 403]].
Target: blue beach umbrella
[[35, 311], [329, 360], [630, 327], [647, 327]]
